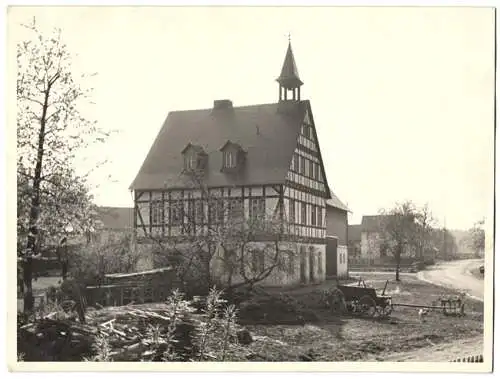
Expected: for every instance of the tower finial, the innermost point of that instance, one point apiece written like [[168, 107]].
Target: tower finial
[[289, 37], [289, 78]]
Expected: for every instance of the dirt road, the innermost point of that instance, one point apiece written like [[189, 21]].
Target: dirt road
[[458, 275], [442, 352]]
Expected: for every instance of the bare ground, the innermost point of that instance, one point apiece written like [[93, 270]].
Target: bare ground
[[401, 338]]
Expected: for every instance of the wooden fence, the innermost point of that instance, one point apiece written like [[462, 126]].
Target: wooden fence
[[141, 287], [380, 267], [471, 359]]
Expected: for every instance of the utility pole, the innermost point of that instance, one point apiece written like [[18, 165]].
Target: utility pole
[[444, 238]]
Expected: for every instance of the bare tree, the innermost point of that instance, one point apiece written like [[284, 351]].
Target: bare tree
[[445, 242], [477, 238], [216, 231], [399, 230], [424, 228], [50, 131], [89, 263]]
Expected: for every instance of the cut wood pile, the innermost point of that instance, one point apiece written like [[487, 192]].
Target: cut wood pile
[[128, 333], [170, 331]]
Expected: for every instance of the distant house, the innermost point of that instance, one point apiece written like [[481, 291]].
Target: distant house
[[354, 243], [370, 239], [113, 223], [337, 237], [373, 247]]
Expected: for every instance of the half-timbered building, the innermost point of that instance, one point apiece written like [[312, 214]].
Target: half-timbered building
[[214, 166]]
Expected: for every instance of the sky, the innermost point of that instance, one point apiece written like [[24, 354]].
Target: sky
[[403, 98]]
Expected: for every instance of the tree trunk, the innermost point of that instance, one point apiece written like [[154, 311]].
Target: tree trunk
[[398, 264], [62, 256], [32, 246], [64, 269], [29, 300]]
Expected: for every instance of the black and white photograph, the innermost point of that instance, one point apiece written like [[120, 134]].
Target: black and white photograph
[[310, 186]]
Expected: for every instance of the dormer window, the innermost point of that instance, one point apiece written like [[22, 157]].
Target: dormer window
[[194, 157], [233, 156]]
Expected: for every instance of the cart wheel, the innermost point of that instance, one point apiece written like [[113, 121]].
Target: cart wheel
[[367, 306], [337, 301]]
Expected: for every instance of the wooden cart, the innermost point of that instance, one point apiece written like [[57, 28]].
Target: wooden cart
[[360, 300]]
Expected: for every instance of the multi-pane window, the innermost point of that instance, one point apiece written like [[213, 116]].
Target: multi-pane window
[[257, 208], [199, 211], [291, 211], [236, 209], [314, 218], [216, 212], [307, 131], [303, 213], [229, 159], [295, 162], [319, 221], [190, 161], [190, 211], [306, 167], [156, 213], [176, 212]]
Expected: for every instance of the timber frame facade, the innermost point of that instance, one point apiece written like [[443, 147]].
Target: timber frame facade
[[259, 162]]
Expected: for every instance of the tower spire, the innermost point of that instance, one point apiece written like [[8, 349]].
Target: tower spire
[[289, 79]]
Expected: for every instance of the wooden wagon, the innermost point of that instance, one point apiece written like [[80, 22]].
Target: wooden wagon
[[360, 300]]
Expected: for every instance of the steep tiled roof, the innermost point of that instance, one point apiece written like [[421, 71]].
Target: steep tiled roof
[[335, 202], [354, 232], [372, 223], [268, 134], [116, 217]]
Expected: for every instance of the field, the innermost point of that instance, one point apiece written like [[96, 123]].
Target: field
[[402, 337]]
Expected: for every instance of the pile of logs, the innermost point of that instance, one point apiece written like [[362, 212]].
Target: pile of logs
[[124, 329]]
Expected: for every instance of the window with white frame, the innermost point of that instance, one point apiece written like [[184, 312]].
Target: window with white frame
[[236, 209], [190, 161], [176, 212], [229, 159], [156, 213], [291, 211], [257, 208], [303, 213], [199, 211], [319, 212]]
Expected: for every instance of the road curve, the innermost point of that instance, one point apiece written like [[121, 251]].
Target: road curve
[[456, 274]]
